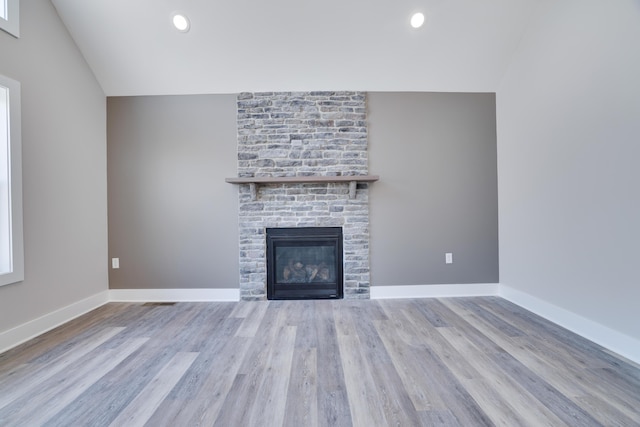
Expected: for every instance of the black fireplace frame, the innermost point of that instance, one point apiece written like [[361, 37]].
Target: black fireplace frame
[[304, 236]]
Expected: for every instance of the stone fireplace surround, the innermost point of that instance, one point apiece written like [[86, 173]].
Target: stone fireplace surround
[[287, 134]]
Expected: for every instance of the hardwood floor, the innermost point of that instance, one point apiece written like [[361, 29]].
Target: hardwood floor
[[429, 362]]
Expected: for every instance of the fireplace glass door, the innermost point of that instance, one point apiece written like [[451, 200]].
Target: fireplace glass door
[[304, 263]]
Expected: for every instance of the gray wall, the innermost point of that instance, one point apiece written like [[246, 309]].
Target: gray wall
[[436, 157], [173, 221], [64, 169], [568, 149]]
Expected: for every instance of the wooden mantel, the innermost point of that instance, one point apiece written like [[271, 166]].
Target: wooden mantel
[[254, 181]]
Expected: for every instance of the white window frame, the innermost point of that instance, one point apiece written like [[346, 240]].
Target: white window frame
[[10, 17], [15, 256]]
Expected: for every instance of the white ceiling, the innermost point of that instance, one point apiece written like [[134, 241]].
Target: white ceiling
[[289, 45]]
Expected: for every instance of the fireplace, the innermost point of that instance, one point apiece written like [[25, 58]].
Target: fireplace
[[304, 263], [299, 137]]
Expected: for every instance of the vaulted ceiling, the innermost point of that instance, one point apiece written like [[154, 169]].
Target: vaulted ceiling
[[288, 45]]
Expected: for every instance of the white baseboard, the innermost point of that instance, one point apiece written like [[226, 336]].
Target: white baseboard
[[613, 340], [435, 291], [22, 333], [170, 295]]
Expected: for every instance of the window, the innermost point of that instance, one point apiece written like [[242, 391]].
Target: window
[[11, 246], [10, 17]]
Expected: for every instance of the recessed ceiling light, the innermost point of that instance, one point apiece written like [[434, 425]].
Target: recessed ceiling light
[[417, 19], [181, 22]]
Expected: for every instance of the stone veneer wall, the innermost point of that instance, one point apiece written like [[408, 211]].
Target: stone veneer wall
[[303, 134]]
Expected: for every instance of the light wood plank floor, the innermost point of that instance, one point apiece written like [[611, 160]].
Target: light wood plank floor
[[430, 362]]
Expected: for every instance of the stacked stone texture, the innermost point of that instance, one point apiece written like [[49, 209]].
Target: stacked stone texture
[[303, 134]]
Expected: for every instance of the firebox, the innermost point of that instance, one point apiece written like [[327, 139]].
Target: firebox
[[304, 263]]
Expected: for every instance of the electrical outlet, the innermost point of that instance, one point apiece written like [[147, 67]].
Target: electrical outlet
[[448, 258], [115, 263]]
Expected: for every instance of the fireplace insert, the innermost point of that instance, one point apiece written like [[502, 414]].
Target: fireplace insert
[[304, 263]]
